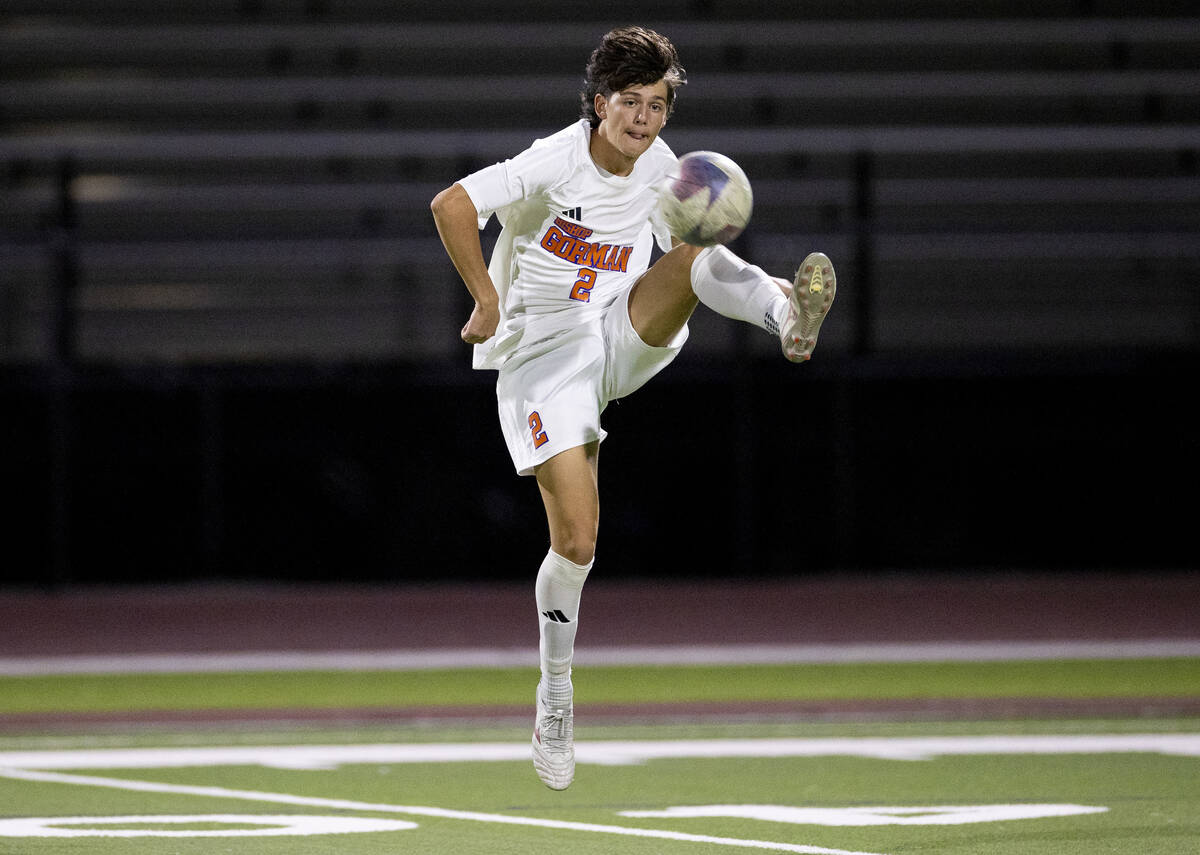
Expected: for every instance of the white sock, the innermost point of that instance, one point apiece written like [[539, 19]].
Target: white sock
[[737, 289], [559, 585]]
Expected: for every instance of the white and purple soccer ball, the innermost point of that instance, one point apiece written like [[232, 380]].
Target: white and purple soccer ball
[[706, 200]]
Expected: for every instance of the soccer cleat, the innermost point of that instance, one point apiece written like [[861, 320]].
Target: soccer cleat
[[554, 744], [812, 294]]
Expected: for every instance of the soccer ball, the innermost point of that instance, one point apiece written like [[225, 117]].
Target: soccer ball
[[706, 200]]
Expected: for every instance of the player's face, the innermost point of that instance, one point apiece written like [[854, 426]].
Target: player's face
[[630, 120]]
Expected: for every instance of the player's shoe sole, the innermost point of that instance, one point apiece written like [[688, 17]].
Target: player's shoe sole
[[554, 745], [813, 291]]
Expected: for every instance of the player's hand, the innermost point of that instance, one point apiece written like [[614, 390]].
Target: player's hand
[[481, 325]]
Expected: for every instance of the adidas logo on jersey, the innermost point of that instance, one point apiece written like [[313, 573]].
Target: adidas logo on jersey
[[575, 214]]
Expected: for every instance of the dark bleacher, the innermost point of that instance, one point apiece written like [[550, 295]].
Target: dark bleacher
[[250, 180], [229, 335]]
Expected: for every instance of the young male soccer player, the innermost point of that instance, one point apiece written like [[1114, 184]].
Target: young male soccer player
[[572, 316]]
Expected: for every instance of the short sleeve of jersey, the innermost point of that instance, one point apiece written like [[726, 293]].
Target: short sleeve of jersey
[[520, 178]]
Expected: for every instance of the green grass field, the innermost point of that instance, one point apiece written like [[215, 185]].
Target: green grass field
[[1068, 678], [952, 788]]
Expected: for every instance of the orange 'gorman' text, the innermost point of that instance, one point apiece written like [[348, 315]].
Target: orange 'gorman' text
[[599, 256]]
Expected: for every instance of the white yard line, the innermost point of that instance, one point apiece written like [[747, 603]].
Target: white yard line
[[471, 657], [408, 810], [605, 752]]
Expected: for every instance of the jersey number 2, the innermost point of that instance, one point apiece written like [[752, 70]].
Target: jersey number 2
[[540, 437], [582, 291]]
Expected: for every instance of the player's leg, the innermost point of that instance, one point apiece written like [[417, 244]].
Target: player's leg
[[737, 289], [665, 297], [662, 300], [733, 287], [568, 484]]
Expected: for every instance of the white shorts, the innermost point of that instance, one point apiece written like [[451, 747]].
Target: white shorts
[[551, 395]]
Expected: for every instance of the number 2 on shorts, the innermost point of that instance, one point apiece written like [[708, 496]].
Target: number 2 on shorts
[[540, 437], [584, 285]]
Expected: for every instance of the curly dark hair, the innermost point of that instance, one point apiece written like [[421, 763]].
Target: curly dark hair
[[630, 56]]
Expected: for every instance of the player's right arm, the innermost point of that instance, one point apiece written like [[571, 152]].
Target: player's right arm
[[458, 226]]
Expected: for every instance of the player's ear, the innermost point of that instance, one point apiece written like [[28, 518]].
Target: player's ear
[[600, 105]]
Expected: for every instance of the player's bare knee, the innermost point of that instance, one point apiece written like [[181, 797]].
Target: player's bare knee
[[576, 543], [579, 551]]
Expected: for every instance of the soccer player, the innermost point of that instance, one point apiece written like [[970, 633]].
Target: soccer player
[[572, 315]]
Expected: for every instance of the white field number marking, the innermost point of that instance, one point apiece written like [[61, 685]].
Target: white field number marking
[[268, 825], [861, 816]]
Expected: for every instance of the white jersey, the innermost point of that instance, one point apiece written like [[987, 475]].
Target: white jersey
[[573, 235]]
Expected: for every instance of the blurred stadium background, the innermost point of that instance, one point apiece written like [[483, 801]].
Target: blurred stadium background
[[229, 335]]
